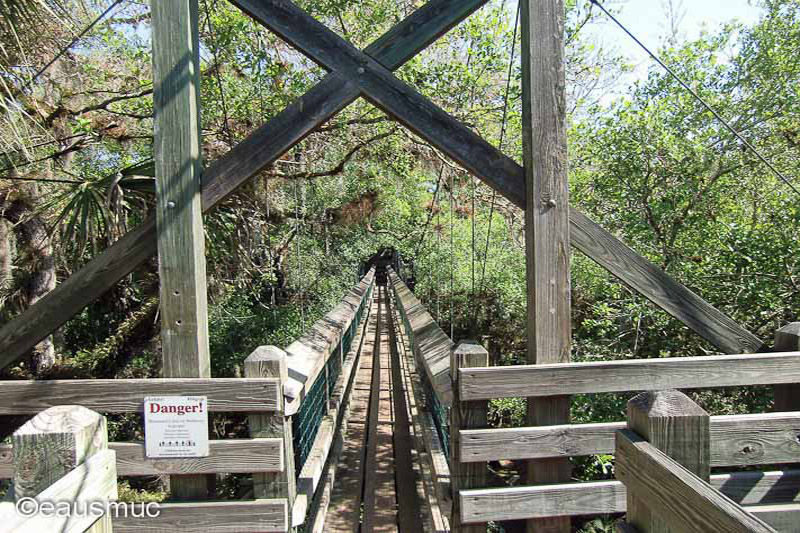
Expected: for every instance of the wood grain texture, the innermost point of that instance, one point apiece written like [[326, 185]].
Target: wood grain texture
[[685, 502], [677, 427], [263, 147], [736, 440], [466, 415], [179, 213], [308, 354], [787, 339], [631, 375], [127, 395], [226, 456], [782, 517], [430, 345], [210, 517], [53, 443], [499, 171], [61, 455], [608, 497], [270, 362], [93, 480], [547, 242]]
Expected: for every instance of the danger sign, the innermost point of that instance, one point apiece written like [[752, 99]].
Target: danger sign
[[176, 426]]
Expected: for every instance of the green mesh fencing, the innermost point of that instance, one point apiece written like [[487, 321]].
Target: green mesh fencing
[[307, 420], [439, 413]]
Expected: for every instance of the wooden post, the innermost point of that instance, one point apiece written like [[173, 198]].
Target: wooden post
[[53, 444], [677, 426], [787, 339], [547, 240], [269, 362], [181, 242], [465, 415]]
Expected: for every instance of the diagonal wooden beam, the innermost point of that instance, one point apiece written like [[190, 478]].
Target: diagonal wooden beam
[[244, 161], [426, 119]]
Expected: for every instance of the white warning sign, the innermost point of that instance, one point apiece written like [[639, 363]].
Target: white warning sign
[[176, 426]]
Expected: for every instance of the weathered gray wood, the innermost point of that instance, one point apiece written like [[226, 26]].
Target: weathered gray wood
[[308, 355], [62, 454], [679, 428], [736, 440], [608, 497], [787, 339], [244, 161], [52, 443], [179, 211], [547, 243], [466, 415], [127, 395], [497, 170], [542, 501], [210, 517], [429, 343], [782, 517], [685, 502], [178, 165], [226, 456], [92, 481], [270, 362], [632, 375]]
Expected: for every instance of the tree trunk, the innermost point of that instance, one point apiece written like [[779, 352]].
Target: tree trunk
[[36, 256]]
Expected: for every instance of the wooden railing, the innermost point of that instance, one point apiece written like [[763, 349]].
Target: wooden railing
[[426, 346], [738, 440], [256, 396], [61, 457], [275, 385], [320, 368], [663, 459]]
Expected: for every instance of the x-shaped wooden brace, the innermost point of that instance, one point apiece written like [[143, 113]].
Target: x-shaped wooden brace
[[354, 73]]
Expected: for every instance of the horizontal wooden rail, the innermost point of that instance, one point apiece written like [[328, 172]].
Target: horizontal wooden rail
[[308, 354], [737, 440], [431, 346], [90, 481], [609, 497], [681, 499], [633, 375], [226, 456], [313, 472], [209, 517], [227, 395]]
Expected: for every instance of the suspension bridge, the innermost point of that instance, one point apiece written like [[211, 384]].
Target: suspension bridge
[[375, 419]]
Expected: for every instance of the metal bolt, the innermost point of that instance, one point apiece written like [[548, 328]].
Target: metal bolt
[[551, 203], [361, 70], [171, 205]]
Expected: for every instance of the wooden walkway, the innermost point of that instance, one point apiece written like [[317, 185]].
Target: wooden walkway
[[377, 488]]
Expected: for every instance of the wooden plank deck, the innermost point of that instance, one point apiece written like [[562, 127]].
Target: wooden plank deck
[[376, 489]]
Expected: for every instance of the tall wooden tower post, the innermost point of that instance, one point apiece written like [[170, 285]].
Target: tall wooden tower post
[[181, 245], [546, 221]]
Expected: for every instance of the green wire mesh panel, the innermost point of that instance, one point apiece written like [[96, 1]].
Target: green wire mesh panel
[[307, 420], [439, 413]]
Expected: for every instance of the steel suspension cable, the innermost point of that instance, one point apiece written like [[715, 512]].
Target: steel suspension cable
[[705, 104], [74, 40], [504, 124]]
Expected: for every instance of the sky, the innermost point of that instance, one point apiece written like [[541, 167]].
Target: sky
[[648, 21]]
